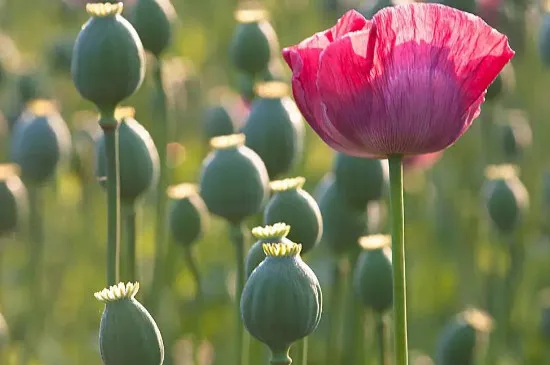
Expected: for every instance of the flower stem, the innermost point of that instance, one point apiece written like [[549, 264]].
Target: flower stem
[[238, 239], [303, 349], [128, 270], [380, 335], [161, 140], [192, 266], [352, 315], [331, 354], [398, 260], [110, 131]]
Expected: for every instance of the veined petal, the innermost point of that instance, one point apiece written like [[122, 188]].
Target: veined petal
[[351, 21], [474, 51]]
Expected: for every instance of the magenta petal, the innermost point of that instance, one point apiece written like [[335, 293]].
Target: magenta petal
[[351, 21]]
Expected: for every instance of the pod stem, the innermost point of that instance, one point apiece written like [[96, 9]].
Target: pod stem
[[162, 130], [352, 316], [110, 130], [128, 263], [398, 260], [381, 338], [303, 349], [332, 348], [238, 239], [194, 269]]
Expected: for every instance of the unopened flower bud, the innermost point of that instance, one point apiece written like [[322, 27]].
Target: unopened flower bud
[[293, 205], [281, 301], [234, 180], [127, 334]]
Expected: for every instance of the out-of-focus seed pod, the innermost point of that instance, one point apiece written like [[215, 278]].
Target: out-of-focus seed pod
[[234, 180], [84, 142], [152, 20], [468, 6], [515, 135], [342, 224], [268, 234], [372, 278], [127, 334], [13, 200], [293, 205], [218, 122], [254, 41], [495, 89], [40, 141], [463, 337], [281, 301], [138, 158], [108, 62], [368, 8], [275, 128], [245, 85], [29, 86], [506, 198], [544, 38], [545, 313], [360, 180], [60, 54], [188, 217]]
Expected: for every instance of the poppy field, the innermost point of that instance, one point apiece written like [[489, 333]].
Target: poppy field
[[277, 182]]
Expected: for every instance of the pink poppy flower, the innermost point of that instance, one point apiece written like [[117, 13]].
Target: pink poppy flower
[[410, 81]]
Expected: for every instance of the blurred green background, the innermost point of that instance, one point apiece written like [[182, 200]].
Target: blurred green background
[[452, 249]]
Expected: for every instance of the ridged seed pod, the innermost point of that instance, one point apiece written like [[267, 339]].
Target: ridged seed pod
[[268, 234], [40, 142], [13, 199], [138, 158], [342, 224], [372, 278], [281, 301], [254, 41], [127, 333], [506, 198], [233, 180], [188, 215], [544, 38], [360, 180], [152, 20], [462, 337], [516, 135], [293, 205], [275, 128], [108, 62]]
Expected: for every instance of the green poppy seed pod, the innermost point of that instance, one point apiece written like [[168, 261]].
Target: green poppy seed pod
[[40, 142], [13, 199], [30, 86], [275, 128], [245, 85], [516, 135], [267, 234], [84, 142], [138, 158], [506, 198], [254, 41], [369, 8], [372, 278], [152, 20], [218, 122], [360, 180], [60, 54], [462, 337], [233, 181], [108, 62], [281, 301], [495, 89], [127, 333], [544, 38], [188, 215], [342, 224], [293, 205]]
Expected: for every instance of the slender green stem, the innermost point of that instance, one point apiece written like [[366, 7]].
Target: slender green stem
[[303, 350], [238, 239], [128, 270], [333, 318], [351, 316], [162, 130], [193, 267], [110, 130], [381, 338], [398, 261]]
